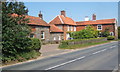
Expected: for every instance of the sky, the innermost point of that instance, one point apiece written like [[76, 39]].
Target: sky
[[75, 10]]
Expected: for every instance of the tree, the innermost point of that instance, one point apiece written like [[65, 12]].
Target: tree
[[119, 32], [14, 30], [89, 32]]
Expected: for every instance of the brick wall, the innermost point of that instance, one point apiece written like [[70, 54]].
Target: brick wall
[[104, 26]]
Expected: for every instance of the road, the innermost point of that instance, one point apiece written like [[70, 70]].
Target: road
[[102, 57]]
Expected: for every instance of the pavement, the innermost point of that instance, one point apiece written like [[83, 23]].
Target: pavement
[[99, 57]]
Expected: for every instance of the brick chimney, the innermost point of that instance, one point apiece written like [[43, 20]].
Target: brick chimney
[[63, 13], [40, 15], [93, 17]]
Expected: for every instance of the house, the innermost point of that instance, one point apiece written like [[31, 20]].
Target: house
[[100, 25], [64, 23], [56, 34], [40, 28]]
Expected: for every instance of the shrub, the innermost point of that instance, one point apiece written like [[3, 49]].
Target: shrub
[[110, 38], [87, 33], [63, 44], [36, 44]]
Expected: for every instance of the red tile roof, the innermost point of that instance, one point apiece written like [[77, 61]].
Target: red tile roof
[[60, 19], [34, 20], [54, 28], [104, 21]]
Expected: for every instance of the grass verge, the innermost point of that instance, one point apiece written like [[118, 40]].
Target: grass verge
[[81, 45]]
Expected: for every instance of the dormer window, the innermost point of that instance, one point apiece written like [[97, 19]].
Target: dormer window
[[99, 27]]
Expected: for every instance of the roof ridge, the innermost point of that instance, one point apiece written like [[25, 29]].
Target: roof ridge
[[52, 19], [61, 19]]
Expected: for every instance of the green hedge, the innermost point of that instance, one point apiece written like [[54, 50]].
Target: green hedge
[[110, 38], [36, 44], [79, 41], [30, 53]]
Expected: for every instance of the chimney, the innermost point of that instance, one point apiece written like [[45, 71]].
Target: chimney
[[40, 15], [63, 13], [93, 17], [86, 18]]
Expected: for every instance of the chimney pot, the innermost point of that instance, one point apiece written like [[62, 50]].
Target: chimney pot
[[40, 15], [63, 13], [94, 17]]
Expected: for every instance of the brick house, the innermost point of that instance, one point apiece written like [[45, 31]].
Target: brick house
[[40, 29], [100, 25], [64, 23]]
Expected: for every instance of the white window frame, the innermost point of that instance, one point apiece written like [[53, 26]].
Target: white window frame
[[42, 33], [68, 28], [112, 33], [59, 38], [71, 28], [98, 27], [54, 38], [74, 28]]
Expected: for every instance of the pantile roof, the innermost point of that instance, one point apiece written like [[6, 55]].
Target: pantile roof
[[34, 20], [54, 28], [104, 21], [60, 19]]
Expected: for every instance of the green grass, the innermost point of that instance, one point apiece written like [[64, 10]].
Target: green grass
[[81, 45]]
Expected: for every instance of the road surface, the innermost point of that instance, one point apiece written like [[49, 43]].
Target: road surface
[[102, 57]]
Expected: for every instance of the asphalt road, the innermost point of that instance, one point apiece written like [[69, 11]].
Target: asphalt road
[[102, 57]]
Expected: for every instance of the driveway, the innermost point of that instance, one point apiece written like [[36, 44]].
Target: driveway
[[51, 49]]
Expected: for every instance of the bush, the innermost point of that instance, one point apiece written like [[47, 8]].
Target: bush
[[110, 38], [63, 44], [36, 44], [87, 33]]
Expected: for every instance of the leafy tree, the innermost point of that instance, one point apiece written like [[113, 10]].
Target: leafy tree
[[89, 32], [119, 32], [14, 30]]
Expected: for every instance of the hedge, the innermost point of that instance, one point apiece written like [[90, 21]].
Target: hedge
[[81, 41], [110, 38]]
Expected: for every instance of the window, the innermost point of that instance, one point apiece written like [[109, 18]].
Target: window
[[99, 27], [112, 33], [68, 27], [74, 28], [54, 38], [42, 35], [59, 38], [71, 28], [31, 35]]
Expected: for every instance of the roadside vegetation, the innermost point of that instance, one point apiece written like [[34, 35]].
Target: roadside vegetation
[[86, 37], [80, 45], [16, 44]]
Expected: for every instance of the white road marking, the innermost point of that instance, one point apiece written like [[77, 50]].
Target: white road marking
[[112, 47], [65, 63], [104, 50], [96, 52]]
